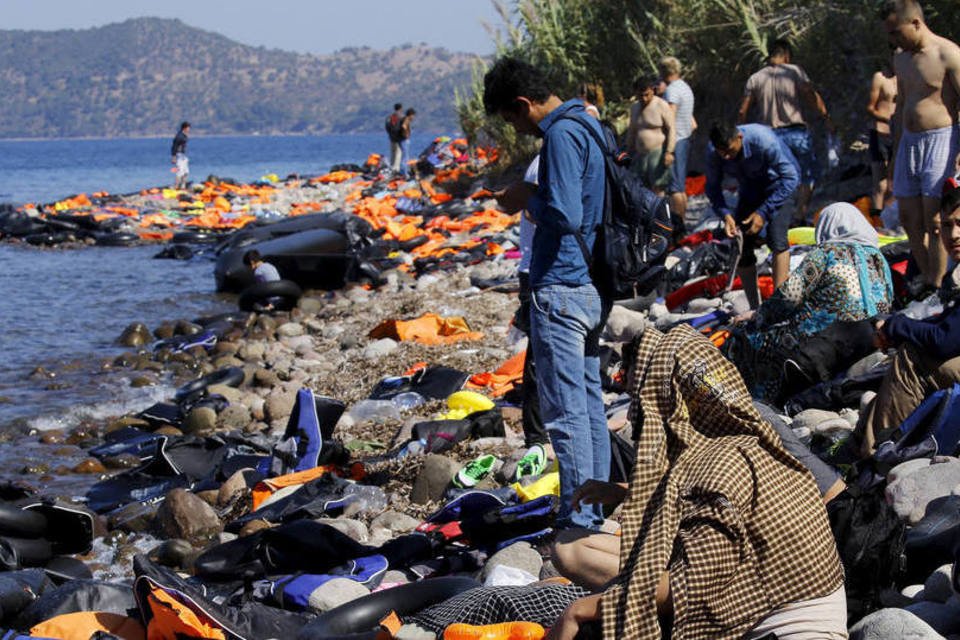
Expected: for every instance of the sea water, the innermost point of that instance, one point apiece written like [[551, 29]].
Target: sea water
[[62, 310]]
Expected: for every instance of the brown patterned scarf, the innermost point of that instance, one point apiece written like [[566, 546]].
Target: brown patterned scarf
[[715, 500]]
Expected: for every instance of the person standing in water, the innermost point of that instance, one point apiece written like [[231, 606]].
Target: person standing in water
[[178, 156]]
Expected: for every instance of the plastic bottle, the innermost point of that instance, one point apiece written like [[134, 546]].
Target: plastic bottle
[[407, 400], [375, 410], [367, 499]]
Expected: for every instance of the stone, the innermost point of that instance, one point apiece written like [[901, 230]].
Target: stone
[[290, 330], [821, 422], [380, 348], [122, 461], [623, 325], [168, 430], [909, 496], [301, 345], [253, 526], [519, 555], [135, 335], [703, 305], [355, 529], [164, 331], [200, 420], [252, 351], [133, 518], [279, 405], [126, 421], [209, 496], [224, 362], [348, 341], [332, 330], [311, 306], [434, 478], [235, 416], [185, 515], [394, 576], [938, 587], [943, 618], [335, 593], [138, 382], [184, 328], [395, 522], [90, 465], [236, 486], [913, 591], [266, 378], [175, 553], [904, 469], [886, 624], [224, 348], [232, 394]]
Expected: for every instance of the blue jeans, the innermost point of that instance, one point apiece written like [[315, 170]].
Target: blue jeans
[[404, 155], [565, 325], [800, 142], [678, 171]]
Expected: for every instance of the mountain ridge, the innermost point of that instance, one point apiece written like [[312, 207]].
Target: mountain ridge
[[141, 77]]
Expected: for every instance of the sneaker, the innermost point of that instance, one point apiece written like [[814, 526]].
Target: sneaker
[[474, 472], [534, 463]]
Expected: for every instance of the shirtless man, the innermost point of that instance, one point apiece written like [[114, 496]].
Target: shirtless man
[[880, 107], [651, 137], [925, 127]]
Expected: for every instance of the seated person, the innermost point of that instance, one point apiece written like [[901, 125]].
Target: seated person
[[844, 278], [724, 533], [928, 351], [262, 271]]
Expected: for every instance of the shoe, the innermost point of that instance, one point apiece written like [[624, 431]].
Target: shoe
[[533, 463], [500, 631], [474, 472]]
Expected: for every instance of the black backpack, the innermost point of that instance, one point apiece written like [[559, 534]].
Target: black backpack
[[871, 541], [394, 126], [632, 242]]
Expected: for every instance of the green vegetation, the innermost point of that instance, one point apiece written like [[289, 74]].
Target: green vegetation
[[840, 43], [142, 77]]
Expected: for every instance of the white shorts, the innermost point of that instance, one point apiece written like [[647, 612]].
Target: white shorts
[[183, 165], [924, 161], [817, 619]]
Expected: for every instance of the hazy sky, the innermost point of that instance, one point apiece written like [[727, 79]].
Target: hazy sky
[[316, 26]]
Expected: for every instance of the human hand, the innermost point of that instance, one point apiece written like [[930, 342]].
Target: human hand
[[668, 159], [598, 492], [580, 611], [729, 226], [752, 224], [745, 317], [880, 340]]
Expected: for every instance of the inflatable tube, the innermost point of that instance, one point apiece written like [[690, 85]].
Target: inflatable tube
[[259, 294], [360, 619], [196, 237], [233, 317], [230, 376], [20, 523], [118, 239], [16, 553]]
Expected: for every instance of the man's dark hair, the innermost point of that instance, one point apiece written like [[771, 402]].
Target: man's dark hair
[[184, 125], [951, 196], [411, 112], [252, 256], [721, 133], [397, 106], [781, 47], [509, 79]]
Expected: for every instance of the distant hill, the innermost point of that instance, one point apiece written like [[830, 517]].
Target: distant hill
[[143, 76]]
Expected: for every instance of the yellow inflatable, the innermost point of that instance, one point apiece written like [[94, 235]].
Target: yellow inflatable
[[463, 403]]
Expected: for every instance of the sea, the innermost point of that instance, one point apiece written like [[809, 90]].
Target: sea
[[63, 309]]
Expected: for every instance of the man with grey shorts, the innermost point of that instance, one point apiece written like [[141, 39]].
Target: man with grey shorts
[[927, 138]]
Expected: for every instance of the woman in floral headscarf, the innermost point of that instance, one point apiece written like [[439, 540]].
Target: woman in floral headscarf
[[844, 278], [724, 533]]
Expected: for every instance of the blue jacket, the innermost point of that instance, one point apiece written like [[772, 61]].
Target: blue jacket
[[765, 167], [569, 198], [939, 336]]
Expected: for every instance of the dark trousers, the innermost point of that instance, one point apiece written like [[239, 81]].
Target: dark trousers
[[533, 430]]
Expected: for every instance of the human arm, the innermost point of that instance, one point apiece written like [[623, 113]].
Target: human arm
[[815, 101], [599, 492], [587, 609], [788, 297], [781, 172], [670, 132], [875, 87], [515, 197], [714, 186], [744, 109], [940, 337], [693, 124]]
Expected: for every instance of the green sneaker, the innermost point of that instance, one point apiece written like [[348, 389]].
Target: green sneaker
[[533, 463], [474, 472]]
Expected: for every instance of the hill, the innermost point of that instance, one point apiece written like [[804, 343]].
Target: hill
[[142, 76]]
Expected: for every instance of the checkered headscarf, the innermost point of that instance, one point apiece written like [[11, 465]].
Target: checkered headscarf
[[714, 498]]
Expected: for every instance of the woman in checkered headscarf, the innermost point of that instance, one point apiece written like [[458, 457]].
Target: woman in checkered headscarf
[[724, 534]]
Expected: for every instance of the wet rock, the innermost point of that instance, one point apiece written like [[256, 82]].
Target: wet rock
[[355, 529], [380, 348], [200, 420], [335, 593], [135, 335], [185, 515], [290, 330], [133, 518], [236, 486], [90, 465], [139, 382], [164, 331], [184, 328], [55, 436], [235, 416], [41, 373], [226, 348], [938, 587], [892, 623], [230, 393], [433, 479], [519, 555], [126, 421], [624, 325], [909, 496], [175, 553], [122, 461], [279, 405], [168, 430]]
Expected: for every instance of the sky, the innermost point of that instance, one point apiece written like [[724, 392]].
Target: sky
[[305, 26]]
